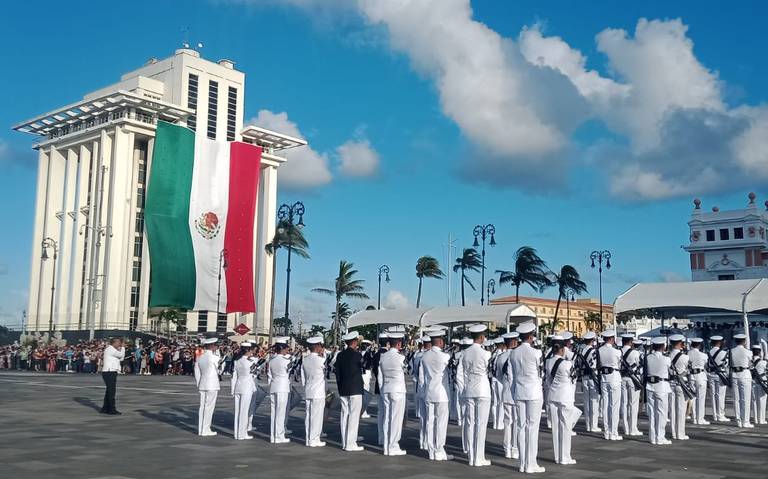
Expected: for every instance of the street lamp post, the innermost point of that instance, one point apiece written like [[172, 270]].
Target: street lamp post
[[222, 265], [285, 216], [49, 242], [569, 296], [97, 232], [490, 289], [482, 232], [383, 269], [601, 256]]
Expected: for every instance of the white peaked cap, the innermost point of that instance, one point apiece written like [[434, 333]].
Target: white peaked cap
[[466, 341], [487, 343], [396, 335], [245, 344], [716, 338], [697, 340], [210, 341], [526, 328], [627, 336], [677, 337], [315, 340], [436, 334], [426, 339], [350, 336], [512, 335], [659, 340], [609, 333], [498, 340], [566, 335], [589, 335], [740, 336], [281, 340], [365, 341], [637, 341], [478, 328], [558, 337], [455, 341], [383, 336]]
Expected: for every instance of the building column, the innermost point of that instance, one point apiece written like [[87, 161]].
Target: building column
[[66, 247], [264, 223], [76, 303], [53, 229], [39, 232]]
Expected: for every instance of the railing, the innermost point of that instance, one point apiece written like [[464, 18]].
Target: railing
[[108, 117]]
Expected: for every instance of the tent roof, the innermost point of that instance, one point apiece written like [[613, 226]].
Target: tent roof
[[696, 297], [497, 313]]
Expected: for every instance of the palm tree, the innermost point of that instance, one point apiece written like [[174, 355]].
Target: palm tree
[[529, 269], [427, 267], [568, 280], [469, 260], [345, 286], [286, 234]]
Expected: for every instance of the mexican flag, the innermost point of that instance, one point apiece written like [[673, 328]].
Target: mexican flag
[[199, 217]]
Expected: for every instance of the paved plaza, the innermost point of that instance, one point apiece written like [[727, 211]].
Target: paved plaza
[[51, 429]]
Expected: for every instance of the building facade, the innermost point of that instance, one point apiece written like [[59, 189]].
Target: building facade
[[727, 245], [572, 315], [89, 265]]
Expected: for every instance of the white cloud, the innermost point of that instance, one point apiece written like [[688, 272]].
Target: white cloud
[[671, 277], [305, 168], [396, 300], [358, 158]]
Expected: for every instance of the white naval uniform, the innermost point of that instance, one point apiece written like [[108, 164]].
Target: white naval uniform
[[528, 396], [435, 381], [591, 392], [678, 403], [497, 406], [561, 407], [610, 385], [367, 388], [717, 389], [630, 397], [657, 397], [391, 378], [313, 380], [477, 402], [459, 386], [279, 390], [697, 365], [504, 373], [419, 404], [242, 389], [742, 384], [759, 395], [207, 380]]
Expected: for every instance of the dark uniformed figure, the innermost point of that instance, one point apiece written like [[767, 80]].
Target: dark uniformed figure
[[349, 377]]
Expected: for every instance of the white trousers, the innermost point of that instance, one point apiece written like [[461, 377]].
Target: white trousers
[[528, 418], [476, 411], [742, 392], [313, 421], [436, 429], [458, 407], [759, 397], [205, 413], [422, 408], [510, 430], [678, 406], [717, 392], [630, 404], [394, 411], [242, 414], [498, 422], [591, 405], [657, 409], [278, 406], [611, 403], [462, 420], [564, 417], [699, 384], [350, 420]]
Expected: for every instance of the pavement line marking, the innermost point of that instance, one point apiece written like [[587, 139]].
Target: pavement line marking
[[128, 388]]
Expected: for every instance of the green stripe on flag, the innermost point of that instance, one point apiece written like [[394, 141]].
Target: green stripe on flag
[[166, 214]]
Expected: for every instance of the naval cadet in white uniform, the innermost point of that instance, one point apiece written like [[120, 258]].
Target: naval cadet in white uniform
[[391, 379], [420, 404], [678, 367], [434, 378], [609, 361], [718, 361], [504, 373], [759, 394], [313, 380], [561, 401], [459, 384], [279, 390], [697, 365], [657, 392], [242, 389], [477, 396], [497, 405], [527, 393], [207, 380], [740, 358], [630, 395], [589, 386]]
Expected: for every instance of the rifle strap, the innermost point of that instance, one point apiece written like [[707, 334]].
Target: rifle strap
[[555, 366]]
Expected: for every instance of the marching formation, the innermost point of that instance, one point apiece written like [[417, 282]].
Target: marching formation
[[505, 383]]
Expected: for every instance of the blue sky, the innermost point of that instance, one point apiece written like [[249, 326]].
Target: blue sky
[[606, 153]]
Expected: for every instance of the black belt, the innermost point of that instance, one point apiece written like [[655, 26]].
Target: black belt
[[656, 379], [606, 370], [738, 369], [696, 371]]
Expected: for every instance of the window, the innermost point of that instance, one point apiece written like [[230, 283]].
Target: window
[[202, 321], [134, 320], [142, 172], [738, 233], [139, 221], [724, 234], [710, 235], [140, 197], [213, 107], [231, 112], [134, 297], [192, 101], [221, 323], [138, 242], [725, 277], [136, 270]]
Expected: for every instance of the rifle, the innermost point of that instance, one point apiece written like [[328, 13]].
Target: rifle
[[584, 366], [599, 374], [631, 372], [759, 379], [688, 392], [717, 370], [294, 366]]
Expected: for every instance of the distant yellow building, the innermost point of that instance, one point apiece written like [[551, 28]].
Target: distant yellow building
[[571, 316]]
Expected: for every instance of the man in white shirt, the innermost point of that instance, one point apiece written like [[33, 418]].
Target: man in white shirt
[[657, 392], [242, 389], [588, 363], [420, 404], [609, 361], [435, 382], [630, 394], [113, 354], [391, 379], [697, 364], [759, 394], [279, 390], [497, 405], [207, 381], [717, 373], [504, 373], [678, 370], [740, 358], [477, 396], [313, 380], [561, 399], [525, 362]]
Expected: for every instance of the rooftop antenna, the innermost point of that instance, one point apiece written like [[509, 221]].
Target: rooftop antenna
[[449, 248], [185, 37]]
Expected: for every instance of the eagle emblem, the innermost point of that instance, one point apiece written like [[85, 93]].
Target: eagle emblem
[[207, 224]]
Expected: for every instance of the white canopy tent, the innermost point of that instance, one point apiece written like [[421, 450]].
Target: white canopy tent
[[499, 314], [742, 296]]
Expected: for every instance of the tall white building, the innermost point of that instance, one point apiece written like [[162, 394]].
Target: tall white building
[[94, 163], [730, 244]]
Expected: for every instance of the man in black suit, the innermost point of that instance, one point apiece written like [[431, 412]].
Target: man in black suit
[[349, 378]]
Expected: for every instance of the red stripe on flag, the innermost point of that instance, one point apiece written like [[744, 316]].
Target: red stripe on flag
[[244, 169]]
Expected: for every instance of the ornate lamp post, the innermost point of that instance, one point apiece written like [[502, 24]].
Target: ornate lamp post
[[286, 215], [383, 269], [601, 256], [483, 232], [490, 289], [49, 242], [222, 266], [569, 296]]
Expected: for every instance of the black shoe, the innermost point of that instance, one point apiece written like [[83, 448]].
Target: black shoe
[[115, 413], [101, 411]]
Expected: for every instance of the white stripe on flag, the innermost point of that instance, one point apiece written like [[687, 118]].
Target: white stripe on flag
[[209, 194]]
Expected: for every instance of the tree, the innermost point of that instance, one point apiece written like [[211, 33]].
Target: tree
[[592, 320], [567, 280], [174, 316], [344, 286], [469, 260], [529, 269], [286, 234], [427, 267], [283, 325]]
